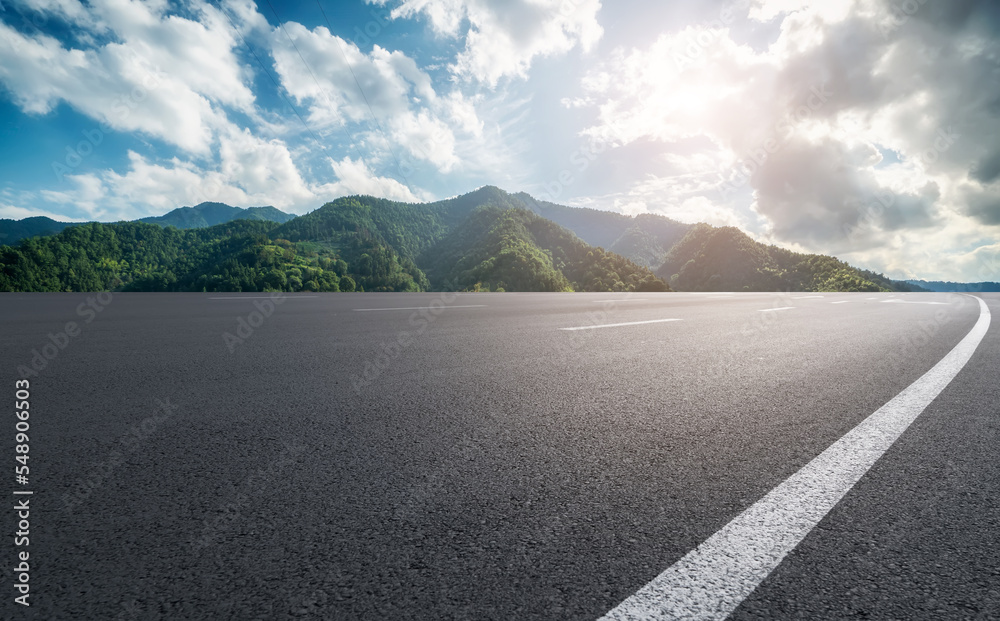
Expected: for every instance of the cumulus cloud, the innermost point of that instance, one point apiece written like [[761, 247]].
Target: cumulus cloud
[[383, 91], [503, 37], [14, 212], [803, 124], [251, 171], [354, 177], [158, 74], [176, 77]]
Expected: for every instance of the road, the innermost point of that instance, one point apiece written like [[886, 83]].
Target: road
[[489, 456]]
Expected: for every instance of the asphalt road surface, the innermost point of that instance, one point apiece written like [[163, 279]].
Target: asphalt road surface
[[442, 456]]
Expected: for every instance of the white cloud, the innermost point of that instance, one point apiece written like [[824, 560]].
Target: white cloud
[[353, 177], [262, 168], [251, 172], [159, 76], [804, 123], [13, 212], [384, 92], [505, 36]]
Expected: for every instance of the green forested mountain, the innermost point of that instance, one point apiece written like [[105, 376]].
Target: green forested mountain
[[353, 243], [727, 259], [210, 214], [484, 240], [513, 249], [136, 256], [199, 216], [13, 231]]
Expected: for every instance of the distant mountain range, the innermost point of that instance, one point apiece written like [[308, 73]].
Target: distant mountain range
[[199, 216], [962, 287], [211, 214], [487, 240]]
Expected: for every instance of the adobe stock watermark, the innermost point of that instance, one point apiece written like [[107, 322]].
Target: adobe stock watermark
[[575, 340], [899, 14], [365, 35], [581, 160], [246, 326], [725, 360], [121, 108], [420, 320], [708, 34], [43, 355], [127, 445], [873, 208], [230, 512], [777, 138]]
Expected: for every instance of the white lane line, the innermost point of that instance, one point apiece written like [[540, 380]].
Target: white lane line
[[898, 301], [267, 297], [780, 308], [808, 297], [617, 325], [714, 578], [363, 310], [841, 302], [616, 301], [871, 298]]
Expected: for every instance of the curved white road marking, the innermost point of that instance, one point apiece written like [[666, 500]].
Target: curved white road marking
[[714, 578]]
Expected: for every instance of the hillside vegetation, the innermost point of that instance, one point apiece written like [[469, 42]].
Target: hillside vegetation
[[486, 240], [480, 241], [727, 259]]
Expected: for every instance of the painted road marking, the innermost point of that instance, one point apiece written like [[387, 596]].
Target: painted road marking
[[780, 308], [840, 302], [617, 325], [808, 297], [616, 301], [363, 310], [267, 297], [714, 578], [898, 301]]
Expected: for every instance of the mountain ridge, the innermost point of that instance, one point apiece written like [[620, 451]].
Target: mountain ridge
[[487, 239], [201, 215]]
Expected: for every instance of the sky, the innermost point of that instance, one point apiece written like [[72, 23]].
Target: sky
[[866, 129]]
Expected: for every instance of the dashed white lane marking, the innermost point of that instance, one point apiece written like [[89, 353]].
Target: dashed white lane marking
[[363, 310], [841, 302], [898, 301], [714, 578], [616, 301], [808, 297], [267, 297], [780, 308], [618, 325]]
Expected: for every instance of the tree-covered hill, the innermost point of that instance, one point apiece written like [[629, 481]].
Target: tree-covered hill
[[512, 249], [135, 256], [727, 259], [487, 239], [964, 287], [199, 216], [353, 243], [13, 231], [210, 214]]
